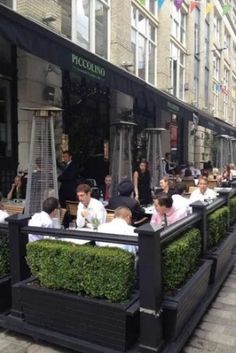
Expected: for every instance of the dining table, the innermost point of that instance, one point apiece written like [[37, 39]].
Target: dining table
[[13, 206]]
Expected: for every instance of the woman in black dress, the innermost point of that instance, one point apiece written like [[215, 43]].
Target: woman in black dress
[[142, 180]]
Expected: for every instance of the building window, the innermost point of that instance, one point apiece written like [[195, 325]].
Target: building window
[[216, 27], [178, 24], [215, 107], [207, 43], [227, 42], [206, 88], [151, 5], [90, 25], [143, 44], [216, 67], [177, 71], [225, 93]]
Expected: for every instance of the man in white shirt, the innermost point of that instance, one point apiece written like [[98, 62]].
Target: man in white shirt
[[203, 193], [89, 209], [179, 201], [119, 225], [44, 218]]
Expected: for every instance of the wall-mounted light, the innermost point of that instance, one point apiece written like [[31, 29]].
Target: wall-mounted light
[[49, 17], [127, 65]]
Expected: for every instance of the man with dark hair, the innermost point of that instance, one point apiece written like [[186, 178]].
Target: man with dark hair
[[165, 213], [179, 201], [68, 180], [125, 190], [89, 209], [44, 218]]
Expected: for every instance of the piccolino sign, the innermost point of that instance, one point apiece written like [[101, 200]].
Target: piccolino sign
[[84, 65]]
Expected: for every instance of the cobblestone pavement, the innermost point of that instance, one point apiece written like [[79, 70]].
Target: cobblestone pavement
[[216, 333]]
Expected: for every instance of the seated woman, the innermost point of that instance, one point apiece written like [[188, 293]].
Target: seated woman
[[17, 189]]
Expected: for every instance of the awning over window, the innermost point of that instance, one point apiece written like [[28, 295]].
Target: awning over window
[[46, 44]]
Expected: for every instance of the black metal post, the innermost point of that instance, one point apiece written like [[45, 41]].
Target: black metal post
[[18, 265], [226, 194], [150, 283], [17, 241], [198, 206]]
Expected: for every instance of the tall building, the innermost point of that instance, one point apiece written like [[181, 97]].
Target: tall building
[[173, 67]]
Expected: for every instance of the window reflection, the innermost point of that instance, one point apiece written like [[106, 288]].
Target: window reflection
[[101, 30], [90, 21]]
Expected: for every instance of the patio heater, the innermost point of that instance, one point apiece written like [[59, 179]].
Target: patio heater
[[121, 167], [154, 154], [42, 174], [223, 152]]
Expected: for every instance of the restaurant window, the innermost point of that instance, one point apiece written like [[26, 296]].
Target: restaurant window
[[5, 119], [143, 44], [90, 25]]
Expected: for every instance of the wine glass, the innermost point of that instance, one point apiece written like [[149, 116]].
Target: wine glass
[[95, 222]]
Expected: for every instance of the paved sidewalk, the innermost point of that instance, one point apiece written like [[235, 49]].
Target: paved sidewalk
[[216, 333], [13, 343]]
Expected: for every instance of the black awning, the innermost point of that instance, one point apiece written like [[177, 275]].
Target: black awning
[[40, 41]]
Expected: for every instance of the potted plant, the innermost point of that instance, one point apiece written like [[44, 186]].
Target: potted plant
[[82, 291], [5, 280], [220, 243], [185, 281]]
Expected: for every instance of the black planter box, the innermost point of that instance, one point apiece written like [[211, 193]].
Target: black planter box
[[177, 310], [94, 320], [5, 293], [221, 257]]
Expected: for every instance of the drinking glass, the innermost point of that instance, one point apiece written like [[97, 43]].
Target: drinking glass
[[95, 223], [72, 226]]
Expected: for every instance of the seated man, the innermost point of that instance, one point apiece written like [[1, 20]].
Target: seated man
[[119, 225], [44, 218], [179, 201], [203, 193], [125, 189], [88, 208], [3, 214], [165, 213]]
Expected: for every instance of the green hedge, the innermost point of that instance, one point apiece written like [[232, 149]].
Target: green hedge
[[4, 255], [217, 226], [232, 210], [180, 259], [98, 272]]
